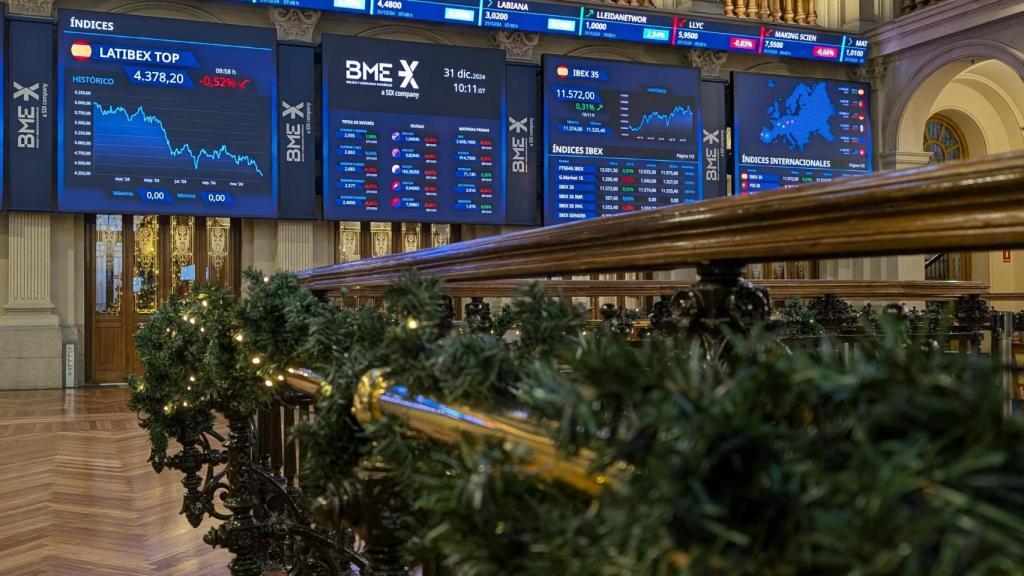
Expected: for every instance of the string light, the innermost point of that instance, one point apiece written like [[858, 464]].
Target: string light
[[266, 279], [191, 378], [269, 383], [239, 337], [412, 323], [280, 377], [205, 304], [256, 360]]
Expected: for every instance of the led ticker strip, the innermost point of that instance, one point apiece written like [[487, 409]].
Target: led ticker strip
[[608, 24]]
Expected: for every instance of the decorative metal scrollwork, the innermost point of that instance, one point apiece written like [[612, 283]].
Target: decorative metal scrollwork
[[615, 319], [834, 314], [478, 315]]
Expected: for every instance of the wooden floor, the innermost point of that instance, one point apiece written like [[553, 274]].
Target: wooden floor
[[77, 496]]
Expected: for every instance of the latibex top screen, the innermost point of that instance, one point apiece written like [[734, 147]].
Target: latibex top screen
[[789, 131], [165, 116], [413, 132], [620, 137]]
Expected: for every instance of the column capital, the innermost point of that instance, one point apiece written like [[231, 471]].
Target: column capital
[[516, 44], [873, 71], [38, 8], [294, 24], [709, 61], [901, 160]]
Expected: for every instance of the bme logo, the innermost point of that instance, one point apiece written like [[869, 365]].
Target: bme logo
[[380, 73], [28, 114], [91, 24], [294, 112]]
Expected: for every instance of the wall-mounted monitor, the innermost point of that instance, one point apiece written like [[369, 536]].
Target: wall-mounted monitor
[[619, 137], [413, 132], [790, 130], [165, 116]]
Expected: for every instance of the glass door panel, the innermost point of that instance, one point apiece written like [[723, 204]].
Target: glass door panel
[[183, 254], [146, 268]]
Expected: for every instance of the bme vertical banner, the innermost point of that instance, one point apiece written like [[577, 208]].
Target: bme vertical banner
[[523, 81], [30, 122], [297, 152], [713, 164]]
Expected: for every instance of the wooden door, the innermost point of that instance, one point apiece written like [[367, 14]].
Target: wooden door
[[135, 263]]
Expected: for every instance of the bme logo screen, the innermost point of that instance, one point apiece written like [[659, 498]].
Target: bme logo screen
[[413, 132]]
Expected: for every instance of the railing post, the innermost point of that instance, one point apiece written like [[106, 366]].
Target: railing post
[[1004, 339], [721, 298], [241, 535], [382, 506]]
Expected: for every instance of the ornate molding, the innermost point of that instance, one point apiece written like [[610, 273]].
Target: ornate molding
[[709, 61], [40, 8], [873, 71], [517, 45], [294, 24]]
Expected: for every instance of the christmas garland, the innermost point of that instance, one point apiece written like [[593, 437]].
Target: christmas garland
[[784, 460]]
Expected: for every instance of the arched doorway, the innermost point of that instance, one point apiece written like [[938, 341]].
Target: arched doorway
[[967, 106]]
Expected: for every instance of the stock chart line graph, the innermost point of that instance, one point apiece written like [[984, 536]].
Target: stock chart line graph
[[680, 118], [655, 117], [143, 136]]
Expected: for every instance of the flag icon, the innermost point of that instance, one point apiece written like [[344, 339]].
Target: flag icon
[[81, 50]]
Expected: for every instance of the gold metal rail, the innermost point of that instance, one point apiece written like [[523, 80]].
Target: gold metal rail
[[377, 398]]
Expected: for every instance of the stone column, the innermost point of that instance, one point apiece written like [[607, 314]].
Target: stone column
[[904, 267], [294, 238], [30, 337], [294, 245]]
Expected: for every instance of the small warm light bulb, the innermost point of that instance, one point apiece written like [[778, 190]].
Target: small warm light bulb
[[191, 378], [167, 408], [189, 388], [205, 303], [185, 403], [280, 378], [185, 318], [202, 330], [256, 360], [192, 320], [269, 383], [239, 337], [412, 324], [266, 279]]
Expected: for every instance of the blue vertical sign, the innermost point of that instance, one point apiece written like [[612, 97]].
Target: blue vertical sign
[[30, 117], [713, 159], [523, 94], [297, 153]]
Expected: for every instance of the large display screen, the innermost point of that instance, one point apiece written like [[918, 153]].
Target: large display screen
[[619, 137], [413, 132], [608, 24], [165, 116], [789, 131]]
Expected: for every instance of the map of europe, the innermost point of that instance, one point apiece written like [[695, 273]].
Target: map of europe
[[798, 117]]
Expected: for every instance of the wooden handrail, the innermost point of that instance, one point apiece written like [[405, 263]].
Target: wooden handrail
[[969, 205], [780, 289]]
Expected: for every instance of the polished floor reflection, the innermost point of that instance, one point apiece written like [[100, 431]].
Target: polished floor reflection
[[77, 496]]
